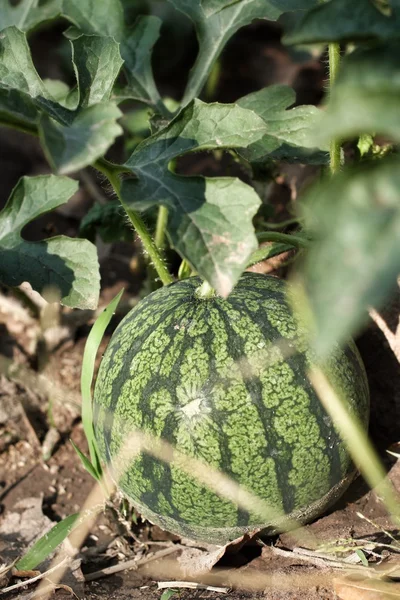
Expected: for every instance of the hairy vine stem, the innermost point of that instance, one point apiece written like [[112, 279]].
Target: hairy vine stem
[[334, 64], [162, 220], [140, 228]]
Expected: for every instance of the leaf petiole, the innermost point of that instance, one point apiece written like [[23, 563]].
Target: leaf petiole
[[334, 148], [284, 238], [162, 220], [140, 228]]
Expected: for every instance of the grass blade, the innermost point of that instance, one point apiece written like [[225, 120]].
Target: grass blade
[[90, 468], [92, 345], [362, 557], [167, 594], [47, 544]]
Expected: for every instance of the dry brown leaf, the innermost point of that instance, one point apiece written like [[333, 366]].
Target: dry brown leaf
[[22, 574], [365, 588], [390, 567], [201, 558]]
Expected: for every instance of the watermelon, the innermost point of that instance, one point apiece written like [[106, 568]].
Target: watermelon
[[223, 381]]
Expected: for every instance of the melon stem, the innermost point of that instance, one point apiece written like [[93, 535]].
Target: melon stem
[[205, 291]]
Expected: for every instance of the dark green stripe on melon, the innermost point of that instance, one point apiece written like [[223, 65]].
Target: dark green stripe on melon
[[223, 381]]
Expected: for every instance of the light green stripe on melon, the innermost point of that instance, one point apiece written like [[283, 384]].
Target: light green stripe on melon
[[197, 435], [195, 503], [101, 415], [295, 425], [276, 381], [243, 429], [163, 506], [223, 361], [161, 407], [278, 316], [254, 345], [194, 371], [134, 481], [128, 415], [304, 438], [349, 378], [172, 354], [262, 283], [248, 448], [245, 328]]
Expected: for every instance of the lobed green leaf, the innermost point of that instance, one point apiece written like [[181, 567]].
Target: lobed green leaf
[[343, 21], [62, 93], [105, 18], [72, 137], [20, 82], [354, 260], [69, 265], [210, 7], [136, 50], [101, 17], [97, 62], [215, 24], [366, 95], [210, 222], [88, 137], [28, 14], [289, 134]]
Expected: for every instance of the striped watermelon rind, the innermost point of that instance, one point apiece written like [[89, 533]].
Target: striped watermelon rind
[[224, 380], [222, 535]]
